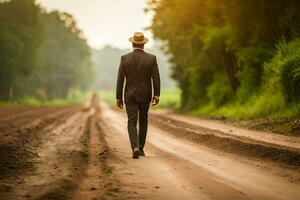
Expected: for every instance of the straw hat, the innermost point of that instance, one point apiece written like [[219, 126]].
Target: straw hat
[[138, 38]]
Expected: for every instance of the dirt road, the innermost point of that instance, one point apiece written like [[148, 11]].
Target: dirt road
[[84, 153]]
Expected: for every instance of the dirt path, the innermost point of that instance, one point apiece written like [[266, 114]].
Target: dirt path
[[85, 154], [195, 171]]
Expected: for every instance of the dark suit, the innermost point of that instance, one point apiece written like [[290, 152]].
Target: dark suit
[[141, 72]]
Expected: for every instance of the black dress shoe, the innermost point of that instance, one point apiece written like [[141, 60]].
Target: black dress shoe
[[135, 154], [141, 152]]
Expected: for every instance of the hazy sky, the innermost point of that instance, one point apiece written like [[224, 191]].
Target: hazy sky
[[106, 21]]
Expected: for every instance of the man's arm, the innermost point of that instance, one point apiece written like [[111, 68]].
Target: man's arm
[[120, 84], [156, 82]]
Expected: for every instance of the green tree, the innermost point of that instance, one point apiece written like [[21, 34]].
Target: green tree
[[64, 57], [221, 47], [20, 38], [41, 54]]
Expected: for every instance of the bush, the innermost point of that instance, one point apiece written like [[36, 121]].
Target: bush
[[282, 72], [219, 92], [277, 96], [290, 80], [250, 62]]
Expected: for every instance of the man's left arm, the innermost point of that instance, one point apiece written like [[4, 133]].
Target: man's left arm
[[120, 84]]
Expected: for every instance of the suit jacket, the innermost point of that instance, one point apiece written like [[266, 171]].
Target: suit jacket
[[140, 71]]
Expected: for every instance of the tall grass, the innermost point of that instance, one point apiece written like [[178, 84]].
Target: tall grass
[[256, 107]]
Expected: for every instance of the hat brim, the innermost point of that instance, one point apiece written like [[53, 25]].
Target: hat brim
[[131, 39]]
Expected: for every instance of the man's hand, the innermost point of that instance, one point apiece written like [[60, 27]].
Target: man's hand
[[120, 103], [155, 100]]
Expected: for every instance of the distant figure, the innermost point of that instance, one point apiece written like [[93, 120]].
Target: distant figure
[[140, 70]]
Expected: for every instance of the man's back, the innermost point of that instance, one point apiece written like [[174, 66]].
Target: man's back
[[138, 67]]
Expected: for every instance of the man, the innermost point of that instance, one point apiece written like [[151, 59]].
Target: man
[[141, 73]]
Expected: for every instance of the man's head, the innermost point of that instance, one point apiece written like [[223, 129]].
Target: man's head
[[138, 40], [140, 46]]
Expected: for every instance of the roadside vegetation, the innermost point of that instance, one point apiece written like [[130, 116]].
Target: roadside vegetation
[[44, 57], [74, 97], [233, 59]]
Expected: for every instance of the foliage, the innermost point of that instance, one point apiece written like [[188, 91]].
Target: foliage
[[219, 92], [42, 55], [232, 58], [282, 72], [20, 38], [250, 62], [64, 57]]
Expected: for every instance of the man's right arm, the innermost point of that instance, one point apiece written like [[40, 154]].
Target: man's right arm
[[156, 82], [120, 84]]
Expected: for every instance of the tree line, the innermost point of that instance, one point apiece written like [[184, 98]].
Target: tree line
[[42, 54], [232, 53]]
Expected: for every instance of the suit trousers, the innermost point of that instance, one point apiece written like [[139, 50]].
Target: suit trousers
[[137, 111]]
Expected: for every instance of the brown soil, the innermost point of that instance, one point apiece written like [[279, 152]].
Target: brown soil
[[178, 169], [55, 153], [20, 136], [76, 152], [284, 126]]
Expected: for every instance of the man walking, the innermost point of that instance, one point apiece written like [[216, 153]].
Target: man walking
[[141, 73]]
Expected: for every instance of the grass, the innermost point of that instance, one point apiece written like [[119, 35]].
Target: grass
[[108, 96], [170, 98], [262, 112], [256, 107], [75, 98], [4, 103]]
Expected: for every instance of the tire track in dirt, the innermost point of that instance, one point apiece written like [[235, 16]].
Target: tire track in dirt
[[230, 144], [11, 110], [236, 129], [18, 147], [99, 181], [19, 121], [60, 160]]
